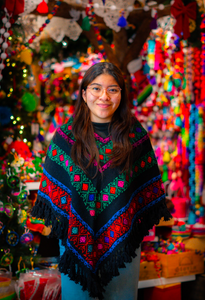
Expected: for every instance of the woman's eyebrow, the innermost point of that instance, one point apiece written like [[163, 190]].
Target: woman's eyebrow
[[101, 84]]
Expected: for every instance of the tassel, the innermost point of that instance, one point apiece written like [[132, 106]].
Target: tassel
[[42, 8]]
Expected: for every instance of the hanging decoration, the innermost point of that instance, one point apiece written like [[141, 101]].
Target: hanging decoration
[[91, 14], [8, 210], [27, 237], [85, 24], [6, 259], [122, 22], [182, 14], [192, 154], [14, 7], [42, 8], [49, 17], [153, 24], [203, 58], [22, 196], [5, 32], [29, 102], [12, 238]]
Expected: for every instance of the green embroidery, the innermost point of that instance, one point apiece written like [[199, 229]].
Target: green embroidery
[[84, 186], [102, 150], [142, 165], [78, 179]]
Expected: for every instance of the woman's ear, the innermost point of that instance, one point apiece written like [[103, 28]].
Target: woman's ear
[[84, 95]]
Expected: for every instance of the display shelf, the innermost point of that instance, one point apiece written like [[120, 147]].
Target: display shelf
[[162, 281]]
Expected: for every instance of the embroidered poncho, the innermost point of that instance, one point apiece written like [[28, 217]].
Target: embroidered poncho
[[100, 221]]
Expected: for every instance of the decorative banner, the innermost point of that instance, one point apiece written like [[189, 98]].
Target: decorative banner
[[73, 30]]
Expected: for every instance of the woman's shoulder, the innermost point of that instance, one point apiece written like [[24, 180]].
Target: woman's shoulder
[[66, 128], [137, 126], [65, 132]]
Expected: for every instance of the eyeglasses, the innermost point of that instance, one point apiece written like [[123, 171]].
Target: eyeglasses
[[97, 90]]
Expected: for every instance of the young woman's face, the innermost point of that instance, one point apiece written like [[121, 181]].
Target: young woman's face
[[103, 96]]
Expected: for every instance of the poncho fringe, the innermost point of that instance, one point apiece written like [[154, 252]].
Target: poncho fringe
[[70, 265]]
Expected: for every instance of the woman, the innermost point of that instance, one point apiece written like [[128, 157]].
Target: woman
[[101, 190]]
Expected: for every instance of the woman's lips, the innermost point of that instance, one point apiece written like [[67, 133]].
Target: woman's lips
[[103, 105]]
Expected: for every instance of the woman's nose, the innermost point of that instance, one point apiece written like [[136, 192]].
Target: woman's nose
[[105, 94]]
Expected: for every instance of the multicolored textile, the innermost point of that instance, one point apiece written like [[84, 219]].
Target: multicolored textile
[[102, 220]]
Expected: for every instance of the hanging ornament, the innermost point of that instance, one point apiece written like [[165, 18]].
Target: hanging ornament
[[42, 8], [49, 17], [22, 196], [4, 34], [29, 102], [13, 181], [86, 24], [14, 7], [26, 238], [8, 210], [12, 238], [122, 22], [153, 24], [26, 56], [91, 14], [6, 259], [182, 14]]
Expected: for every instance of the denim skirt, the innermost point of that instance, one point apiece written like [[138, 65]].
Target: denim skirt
[[122, 287]]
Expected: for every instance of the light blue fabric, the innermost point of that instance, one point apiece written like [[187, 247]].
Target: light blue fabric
[[122, 287]]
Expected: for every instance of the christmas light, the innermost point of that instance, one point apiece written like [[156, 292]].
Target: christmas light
[[11, 117], [18, 118], [14, 122]]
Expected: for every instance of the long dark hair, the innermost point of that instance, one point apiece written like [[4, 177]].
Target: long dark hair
[[82, 128]]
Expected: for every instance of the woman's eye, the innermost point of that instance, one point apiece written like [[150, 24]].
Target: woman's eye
[[95, 88], [113, 90]]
